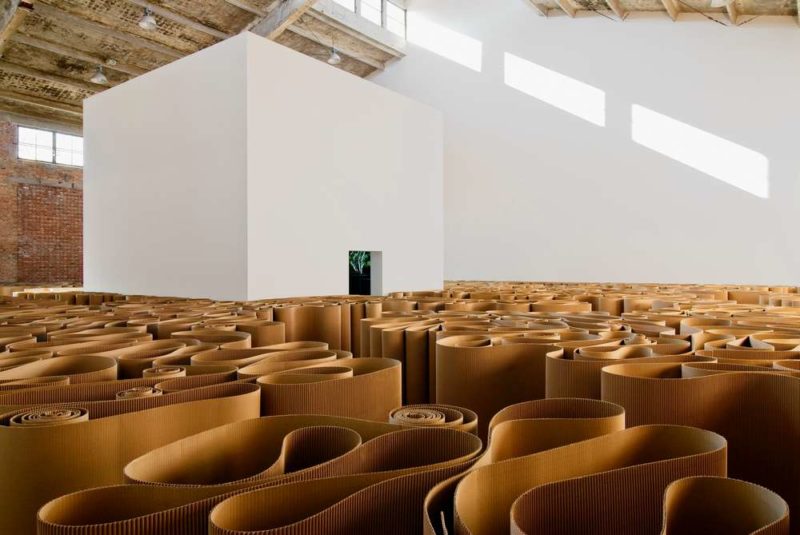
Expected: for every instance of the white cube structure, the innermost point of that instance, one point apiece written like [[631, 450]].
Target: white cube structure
[[248, 170]]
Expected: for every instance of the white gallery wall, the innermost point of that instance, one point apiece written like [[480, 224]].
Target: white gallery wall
[[595, 150], [249, 171]]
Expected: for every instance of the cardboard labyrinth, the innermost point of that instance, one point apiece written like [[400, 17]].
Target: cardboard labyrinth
[[485, 408]]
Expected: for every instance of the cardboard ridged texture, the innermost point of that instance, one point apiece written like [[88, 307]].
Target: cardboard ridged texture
[[708, 387]]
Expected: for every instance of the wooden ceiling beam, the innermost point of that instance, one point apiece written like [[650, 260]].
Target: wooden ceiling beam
[[180, 19], [51, 12], [48, 76], [10, 18], [347, 51], [244, 6], [567, 7], [51, 105], [733, 13], [66, 51], [540, 9], [617, 8], [672, 7], [282, 16]]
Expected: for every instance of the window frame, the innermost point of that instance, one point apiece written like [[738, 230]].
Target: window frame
[[54, 146], [384, 15]]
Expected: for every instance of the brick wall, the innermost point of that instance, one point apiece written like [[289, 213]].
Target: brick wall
[[41, 217]]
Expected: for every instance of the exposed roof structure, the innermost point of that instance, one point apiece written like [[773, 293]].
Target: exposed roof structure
[[51, 48], [734, 10]]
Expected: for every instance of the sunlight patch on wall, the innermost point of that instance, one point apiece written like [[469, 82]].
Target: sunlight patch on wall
[[724, 160], [565, 93], [445, 42]]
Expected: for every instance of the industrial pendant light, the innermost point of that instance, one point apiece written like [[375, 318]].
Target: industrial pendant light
[[334, 58], [148, 20], [99, 76]]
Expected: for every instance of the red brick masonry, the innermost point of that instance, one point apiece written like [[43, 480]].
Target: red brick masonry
[[41, 217]]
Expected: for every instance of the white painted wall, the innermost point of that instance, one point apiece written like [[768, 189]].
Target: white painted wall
[[165, 180], [336, 164], [249, 171], [534, 192]]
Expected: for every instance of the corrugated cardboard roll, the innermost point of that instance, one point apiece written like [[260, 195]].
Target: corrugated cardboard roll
[[79, 369], [520, 431], [178, 497], [644, 460], [35, 382], [581, 377], [357, 388], [467, 367], [139, 392], [263, 332], [288, 360], [233, 357], [131, 361], [721, 402], [321, 322], [704, 505], [224, 339], [432, 415], [164, 372], [54, 460]]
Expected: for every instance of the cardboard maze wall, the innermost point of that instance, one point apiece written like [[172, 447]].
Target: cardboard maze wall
[[484, 408]]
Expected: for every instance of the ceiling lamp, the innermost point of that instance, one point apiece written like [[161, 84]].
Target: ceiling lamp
[[334, 58], [99, 77], [148, 20]]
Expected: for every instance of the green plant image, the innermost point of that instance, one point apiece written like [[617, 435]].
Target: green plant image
[[359, 261]]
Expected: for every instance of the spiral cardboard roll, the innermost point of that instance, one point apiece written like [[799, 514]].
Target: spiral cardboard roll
[[79, 369], [139, 392], [357, 388], [519, 431], [180, 483], [469, 367], [35, 382], [432, 415], [50, 461], [223, 339], [233, 357], [47, 417], [581, 376], [720, 402], [164, 372], [321, 322], [703, 505], [287, 360], [263, 332]]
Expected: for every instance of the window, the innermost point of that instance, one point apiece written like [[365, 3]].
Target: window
[[372, 10], [49, 146], [386, 13], [69, 149], [395, 19]]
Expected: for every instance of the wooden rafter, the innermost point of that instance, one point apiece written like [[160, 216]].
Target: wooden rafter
[[567, 7], [66, 51], [282, 16], [47, 104], [340, 47], [49, 76], [538, 7], [180, 19], [244, 6], [10, 19], [733, 13], [617, 8], [672, 7], [102, 29]]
